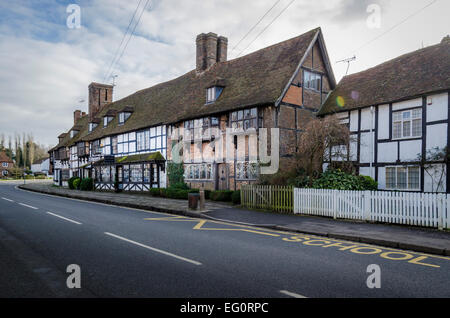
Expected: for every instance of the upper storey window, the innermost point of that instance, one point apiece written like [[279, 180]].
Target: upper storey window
[[407, 124], [312, 80], [106, 120], [123, 116], [213, 93]]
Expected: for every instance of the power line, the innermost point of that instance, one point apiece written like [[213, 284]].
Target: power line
[[121, 42], [271, 22], [394, 26], [252, 28], [131, 35]]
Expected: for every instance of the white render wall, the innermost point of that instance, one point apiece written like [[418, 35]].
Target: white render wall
[[400, 152]]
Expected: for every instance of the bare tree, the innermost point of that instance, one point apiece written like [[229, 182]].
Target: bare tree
[[323, 138]]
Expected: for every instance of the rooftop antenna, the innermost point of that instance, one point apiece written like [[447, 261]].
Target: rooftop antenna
[[113, 84], [114, 79], [348, 61]]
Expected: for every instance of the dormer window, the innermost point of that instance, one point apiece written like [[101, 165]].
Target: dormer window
[[92, 126], [107, 120], [213, 93], [73, 133], [123, 116]]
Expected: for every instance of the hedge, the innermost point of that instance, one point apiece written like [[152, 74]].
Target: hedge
[[222, 195], [71, 181], [236, 197], [87, 184], [172, 193]]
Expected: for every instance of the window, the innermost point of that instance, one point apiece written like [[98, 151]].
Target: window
[[105, 174], [136, 173], [213, 93], [92, 126], [114, 147], [202, 171], [96, 149], [312, 80], [403, 178], [123, 116], [107, 120], [243, 120], [5, 173], [407, 124], [73, 133], [153, 139], [4, 164], [246, 170], [200, 128]]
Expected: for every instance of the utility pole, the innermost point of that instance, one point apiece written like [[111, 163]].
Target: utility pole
[[348, 61]]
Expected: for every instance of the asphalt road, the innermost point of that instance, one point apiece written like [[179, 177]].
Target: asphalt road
[[124, 252]]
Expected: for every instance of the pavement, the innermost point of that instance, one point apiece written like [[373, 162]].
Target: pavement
[[126, 252], [426, 240]]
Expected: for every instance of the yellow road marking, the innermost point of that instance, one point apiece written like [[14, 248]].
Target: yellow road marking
[[171, 218], [199, 226]]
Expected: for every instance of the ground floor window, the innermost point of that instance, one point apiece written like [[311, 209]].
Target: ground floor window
[[136, 173], [403, 178], [247, 170], [4, 173], [203, 171]]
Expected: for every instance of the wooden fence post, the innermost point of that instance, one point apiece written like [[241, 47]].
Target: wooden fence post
[[367, 206]]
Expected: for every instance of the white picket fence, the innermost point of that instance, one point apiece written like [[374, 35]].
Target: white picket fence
[[422, 209]]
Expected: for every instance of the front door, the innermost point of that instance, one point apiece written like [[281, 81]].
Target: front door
[[222, 176]]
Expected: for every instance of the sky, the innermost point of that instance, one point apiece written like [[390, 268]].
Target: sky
[[46, 64]]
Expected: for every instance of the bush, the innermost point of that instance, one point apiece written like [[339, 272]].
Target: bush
[[368, 183], [71, 183], [87, 184], [339, 180], [76, 184], [223, 195], [180, 186], [236, 197], [155, 192], [175, 173]]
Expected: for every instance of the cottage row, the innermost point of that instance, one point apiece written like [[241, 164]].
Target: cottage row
[[213, 118]]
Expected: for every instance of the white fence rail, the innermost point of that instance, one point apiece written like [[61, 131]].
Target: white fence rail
[[422, 209]]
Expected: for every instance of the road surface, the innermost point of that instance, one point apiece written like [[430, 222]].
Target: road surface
[[124, 252]]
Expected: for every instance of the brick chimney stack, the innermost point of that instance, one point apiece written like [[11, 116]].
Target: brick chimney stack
[[222, 49], [76, 116], [99, 96], [210, 50]]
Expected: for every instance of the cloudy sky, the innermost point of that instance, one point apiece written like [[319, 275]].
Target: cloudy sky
[[46, 67]]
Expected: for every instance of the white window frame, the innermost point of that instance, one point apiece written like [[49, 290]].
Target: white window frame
[[402, 120], [4, 164], [309, 78], [396, 188], [240, 165]]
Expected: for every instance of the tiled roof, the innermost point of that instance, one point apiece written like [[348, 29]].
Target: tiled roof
[[4, 157], [256, 79], [420, 72]]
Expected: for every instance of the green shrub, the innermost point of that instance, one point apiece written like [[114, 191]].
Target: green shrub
[[222, 195], [236, 197], [76, 184], [339, 180], [180, 186], [175, 173], [155, 192], [71, 183], [87, 184], [368, 183]]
